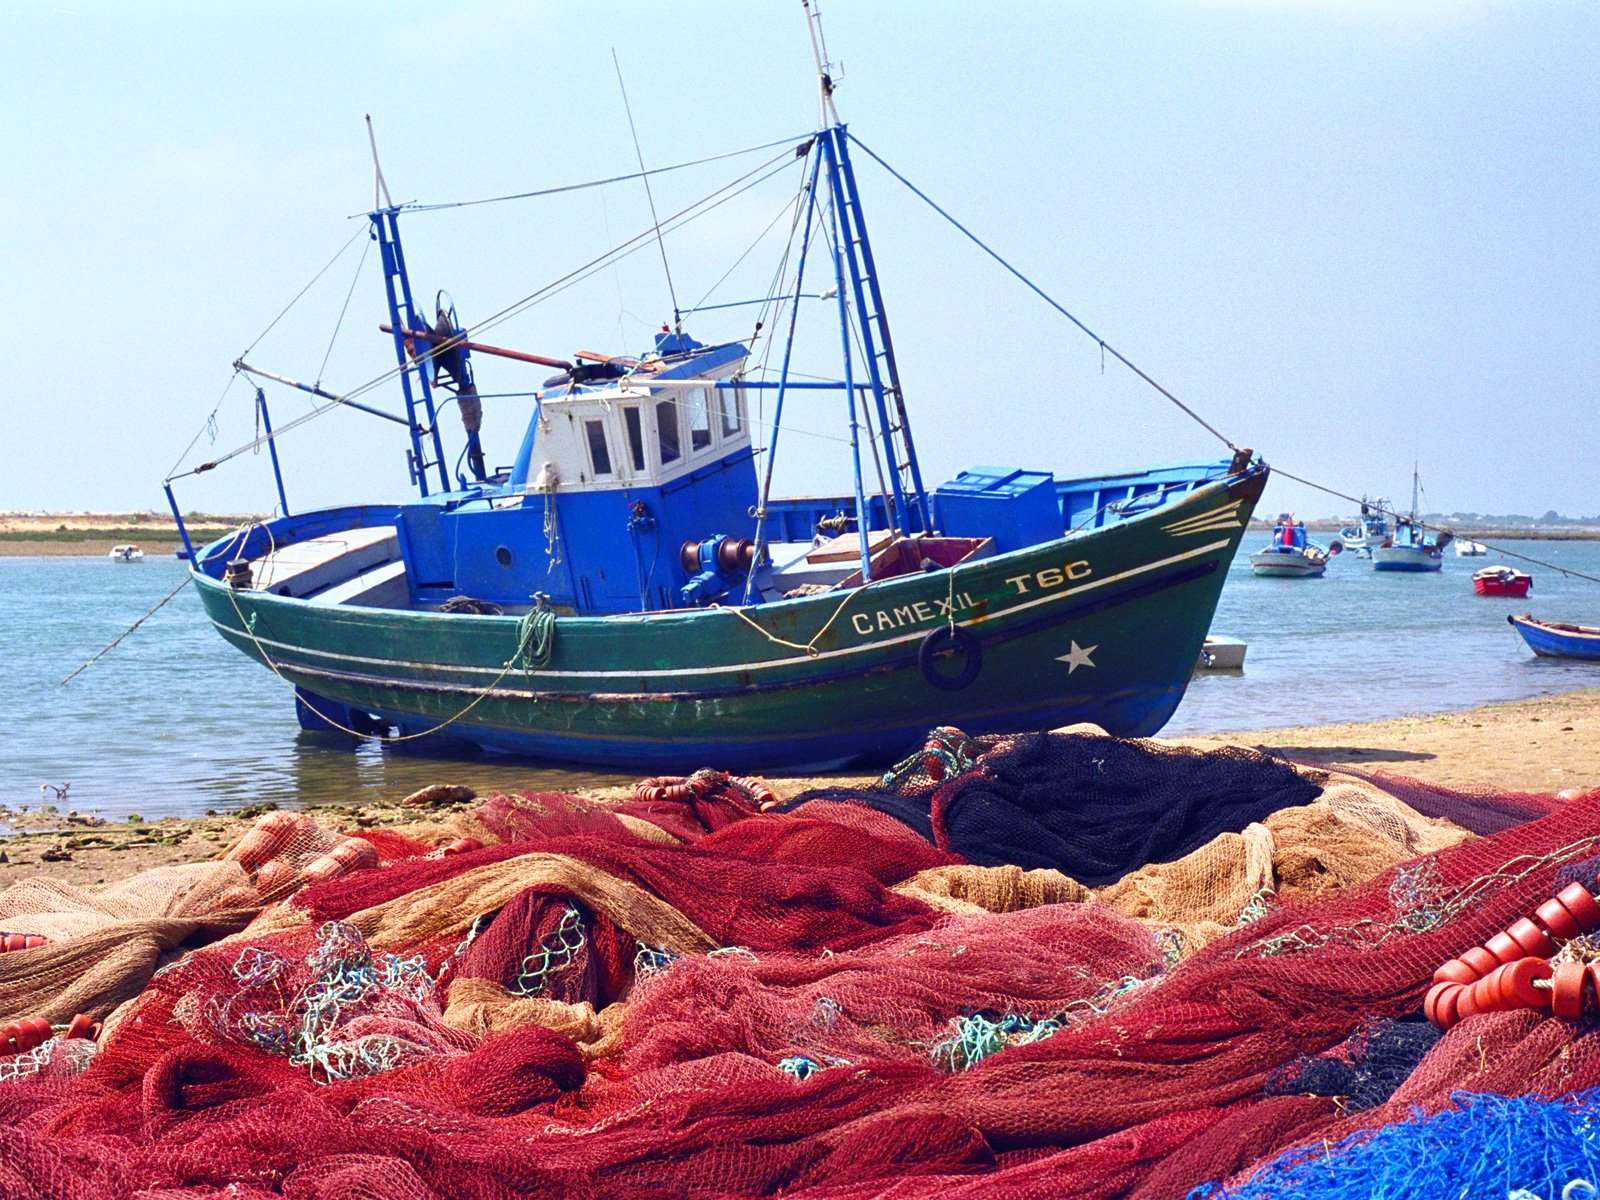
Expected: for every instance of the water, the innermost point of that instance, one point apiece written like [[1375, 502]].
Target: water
[[1363, 645], [175, 721]]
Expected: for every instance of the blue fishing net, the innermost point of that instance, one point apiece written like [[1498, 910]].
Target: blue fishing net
[[1488, 1146]]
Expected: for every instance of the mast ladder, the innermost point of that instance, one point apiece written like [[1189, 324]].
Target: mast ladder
[[910, 497], [414, 380]]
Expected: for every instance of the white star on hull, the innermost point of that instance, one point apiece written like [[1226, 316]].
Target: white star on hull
[[1077, 657]]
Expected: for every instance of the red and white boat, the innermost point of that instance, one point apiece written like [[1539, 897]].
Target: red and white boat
[[1501, 581]]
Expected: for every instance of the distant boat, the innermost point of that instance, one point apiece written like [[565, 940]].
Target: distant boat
[[1411, 548], [1551, 640], [128, 553], [1221, 654], [1501, 581], [1466, 548], [1369, 530], [1291, 555]]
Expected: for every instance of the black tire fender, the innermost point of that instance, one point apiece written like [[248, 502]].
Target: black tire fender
[[950, 640]]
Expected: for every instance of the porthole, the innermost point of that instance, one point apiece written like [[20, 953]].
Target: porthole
[[502, 555]]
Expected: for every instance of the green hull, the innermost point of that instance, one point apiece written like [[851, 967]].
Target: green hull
[[1103, 626]]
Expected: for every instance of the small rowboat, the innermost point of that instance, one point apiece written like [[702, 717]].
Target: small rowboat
[[1501, 581], [1552, 640]]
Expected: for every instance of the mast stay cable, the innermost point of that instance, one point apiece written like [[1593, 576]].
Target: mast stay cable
[[677, 323], [1105, 346], [682, 217]]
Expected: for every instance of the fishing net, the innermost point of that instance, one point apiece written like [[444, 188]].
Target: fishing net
[[1089, 806], [682, 993]]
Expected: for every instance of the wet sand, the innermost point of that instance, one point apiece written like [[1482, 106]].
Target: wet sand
[[1546, 744]]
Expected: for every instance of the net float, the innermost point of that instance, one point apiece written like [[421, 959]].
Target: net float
[[1456, 971], [1531, 938], [1580, 902], [1567, 987], [1480, 960], [1553, 915], [1504, 947]]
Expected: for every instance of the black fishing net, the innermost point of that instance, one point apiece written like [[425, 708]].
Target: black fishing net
[[1092, 807], [1364, 1070]]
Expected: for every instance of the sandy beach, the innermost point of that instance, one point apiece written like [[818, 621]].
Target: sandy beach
[[1547, 744]]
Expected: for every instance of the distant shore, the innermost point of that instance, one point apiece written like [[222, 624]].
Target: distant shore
[[1547, 744], [94, 534]]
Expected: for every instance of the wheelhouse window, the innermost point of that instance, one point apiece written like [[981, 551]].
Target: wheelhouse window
[[699, 408], [667, 434], [634, 424], [599, 455], [731, 403]]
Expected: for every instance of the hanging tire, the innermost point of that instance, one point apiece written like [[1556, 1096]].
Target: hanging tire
[[943, 646]]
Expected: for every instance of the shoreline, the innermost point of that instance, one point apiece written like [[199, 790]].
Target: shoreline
[[1546, 744]]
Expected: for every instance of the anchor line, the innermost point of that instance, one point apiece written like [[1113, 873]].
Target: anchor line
[[1538, 562], [126, 632]]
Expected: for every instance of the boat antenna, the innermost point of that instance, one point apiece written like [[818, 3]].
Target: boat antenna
[[379, 186], [825, 73], [677, 324]]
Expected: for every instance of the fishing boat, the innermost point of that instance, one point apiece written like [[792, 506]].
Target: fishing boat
[[126, 554], [1501, 581], [1550, 639], [1412, 546], [1467, 548], [1291, 555], [630, 593], [1370, 529]]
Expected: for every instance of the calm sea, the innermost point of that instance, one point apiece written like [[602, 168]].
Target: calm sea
[[174, 721]]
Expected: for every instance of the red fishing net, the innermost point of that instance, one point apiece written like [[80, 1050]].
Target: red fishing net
[[682, 996]]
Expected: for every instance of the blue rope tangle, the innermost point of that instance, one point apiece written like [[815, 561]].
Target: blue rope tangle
[[1524, 1148], [306, 1024]]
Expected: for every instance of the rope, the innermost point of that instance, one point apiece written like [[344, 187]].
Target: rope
[[126, 632], [555, 954], [1538, 562], [811, 646], [1105, 347], [248, 625], [536, 638]]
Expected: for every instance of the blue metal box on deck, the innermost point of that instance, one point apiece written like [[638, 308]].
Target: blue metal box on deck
[[1017, 508]]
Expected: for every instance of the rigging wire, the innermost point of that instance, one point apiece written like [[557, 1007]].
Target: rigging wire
[[210, 421], [684, 216], [760, 237], [1105, 347], [649, 195], [301, 293], [594, 183], [346, 308]]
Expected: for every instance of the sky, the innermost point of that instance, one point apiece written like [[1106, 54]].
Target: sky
[[1352, 235]]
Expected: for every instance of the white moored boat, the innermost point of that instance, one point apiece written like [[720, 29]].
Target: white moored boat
[[128, 553], [1290, 555], [1466, 548]]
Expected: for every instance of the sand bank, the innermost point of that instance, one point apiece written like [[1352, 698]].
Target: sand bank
[[1541, 745]]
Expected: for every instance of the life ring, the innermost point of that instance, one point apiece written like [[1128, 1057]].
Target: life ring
[[945, 641]]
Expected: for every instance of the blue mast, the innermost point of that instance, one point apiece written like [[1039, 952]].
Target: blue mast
[[909, 502], [413, 370]]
